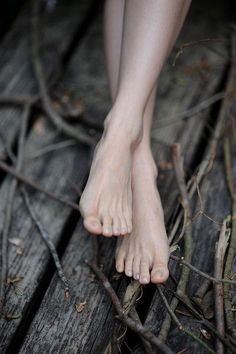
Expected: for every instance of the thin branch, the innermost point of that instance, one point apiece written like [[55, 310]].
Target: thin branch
[[179, 324], [37, 187], [17, 101], [9, 204], [229, 316], [221, 247], [205, 166], [184, 299], [122, 316], [42, 85], [194, 43], [46, 239], [181, 260], [188, 243], [51, 148], [189, 113]]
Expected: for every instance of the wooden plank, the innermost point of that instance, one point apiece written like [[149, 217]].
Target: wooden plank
[[64, 330], [55, 171], [217, 205], [16, 75]]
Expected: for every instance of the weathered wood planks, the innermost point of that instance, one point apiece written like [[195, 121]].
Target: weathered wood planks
[[89, 330], [16, 76]]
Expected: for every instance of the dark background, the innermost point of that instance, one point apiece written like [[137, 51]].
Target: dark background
[[10, 8]]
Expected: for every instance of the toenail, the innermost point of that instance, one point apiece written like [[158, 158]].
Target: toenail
[[159, 273], [145, 280], [129, 273], [136, 276]]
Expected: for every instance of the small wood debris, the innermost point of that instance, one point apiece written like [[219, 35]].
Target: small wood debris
[[80, 306], [18, 243], [205, 334], [165, 165]]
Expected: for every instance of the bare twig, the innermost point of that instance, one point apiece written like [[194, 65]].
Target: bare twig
[[122, 316], [181, 260], [9, 203], [188, 244], [221, 247], [191, 112], [46, 239], [51, 148], [205, 166], [194, 43], [41, 81], [36, 186], [179, 324], [229, 316], [184, 299], [17, 101]]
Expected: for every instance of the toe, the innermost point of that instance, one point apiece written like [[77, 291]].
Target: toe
[[120, 264], [120, 255], [93, 225], [124, 228], [129, 225], [107, 226], [159, 273], [144, 277], [136, 268], [116, 226], [129, 266]]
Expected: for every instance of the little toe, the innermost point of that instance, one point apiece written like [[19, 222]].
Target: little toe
[[129, 266], [159, 273], [144, 277], [107, 226], [93, 225], [116, 226]]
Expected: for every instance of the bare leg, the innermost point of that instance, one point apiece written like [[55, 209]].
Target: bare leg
[[151, 230], [145, 30]]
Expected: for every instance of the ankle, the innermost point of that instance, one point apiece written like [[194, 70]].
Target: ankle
[[124, 126], [143, 161]]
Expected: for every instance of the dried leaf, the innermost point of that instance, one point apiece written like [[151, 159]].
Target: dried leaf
[[14, 281], [39, 126], [131, 294], [10, 317], [80, 306], [67, 294], [15, 241], [205, 334], [174, 248], [19, 251], [182, 351], [206, 304], [165, 165]]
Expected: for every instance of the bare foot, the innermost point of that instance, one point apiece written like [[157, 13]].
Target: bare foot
[[106, 203], [144, 254]]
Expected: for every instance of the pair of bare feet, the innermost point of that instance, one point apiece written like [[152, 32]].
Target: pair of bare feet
[[121, 199]]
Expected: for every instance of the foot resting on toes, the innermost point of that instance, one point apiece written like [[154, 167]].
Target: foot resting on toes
[[144, 253], [106, 203]]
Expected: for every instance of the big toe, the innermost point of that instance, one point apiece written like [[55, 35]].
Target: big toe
[[159, 273], [93, 225]]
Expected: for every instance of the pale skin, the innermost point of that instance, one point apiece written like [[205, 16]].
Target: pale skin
[[121, 197]]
